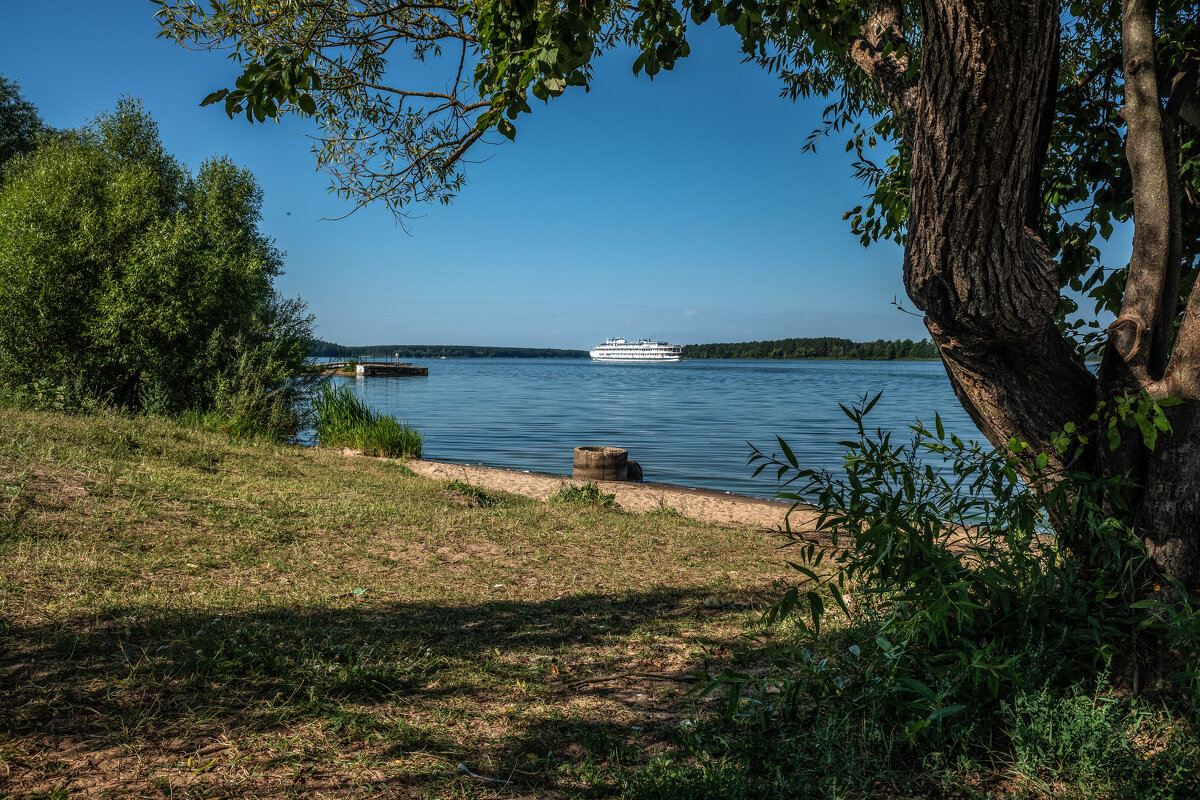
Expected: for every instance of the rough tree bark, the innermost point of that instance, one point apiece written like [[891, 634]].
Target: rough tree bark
[[1168, 512], [975, 264]]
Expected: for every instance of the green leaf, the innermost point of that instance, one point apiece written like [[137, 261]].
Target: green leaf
[[1114, 438], [507, 129], [816, 607], [215, 97], [787, 452], [945, 711]]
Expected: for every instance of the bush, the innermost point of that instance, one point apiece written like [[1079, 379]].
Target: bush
[[126, 279], [969, 629], [342, 420]]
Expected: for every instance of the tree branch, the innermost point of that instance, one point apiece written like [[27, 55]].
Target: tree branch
[[1132, 337], [889, 73]]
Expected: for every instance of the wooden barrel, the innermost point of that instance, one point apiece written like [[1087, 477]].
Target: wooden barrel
[[601, 463]]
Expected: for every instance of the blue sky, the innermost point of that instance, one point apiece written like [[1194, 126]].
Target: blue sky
[[681, 209]]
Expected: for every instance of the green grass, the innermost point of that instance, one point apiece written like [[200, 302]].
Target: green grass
[[589, 494], [473, 495], [189, 614], [342, 420]]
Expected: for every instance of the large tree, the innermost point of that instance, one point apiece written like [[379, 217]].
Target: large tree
[[1018, 131]]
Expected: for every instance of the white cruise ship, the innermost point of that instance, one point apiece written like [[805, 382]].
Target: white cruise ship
[[641, 351]]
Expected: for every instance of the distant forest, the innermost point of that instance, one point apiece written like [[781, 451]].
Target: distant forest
[[322, 349], [824, 347]]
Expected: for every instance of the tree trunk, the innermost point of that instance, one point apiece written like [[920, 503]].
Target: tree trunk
[[1168, 516], [983, 276], [973, 264]]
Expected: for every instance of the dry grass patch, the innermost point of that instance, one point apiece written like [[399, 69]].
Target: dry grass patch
[[187, 615]]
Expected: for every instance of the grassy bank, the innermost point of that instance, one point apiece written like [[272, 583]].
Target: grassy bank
[[188, 615]]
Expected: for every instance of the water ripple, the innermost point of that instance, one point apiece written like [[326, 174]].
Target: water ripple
[[685, 423]]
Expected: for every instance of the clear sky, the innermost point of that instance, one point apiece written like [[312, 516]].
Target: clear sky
[[681, 209]]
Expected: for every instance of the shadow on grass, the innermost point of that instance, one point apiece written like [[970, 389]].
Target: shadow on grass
[[396, 679]]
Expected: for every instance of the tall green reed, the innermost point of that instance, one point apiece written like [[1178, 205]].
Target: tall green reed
[[342, 420]]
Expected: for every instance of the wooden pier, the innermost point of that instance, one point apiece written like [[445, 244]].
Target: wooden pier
[[378, 369]]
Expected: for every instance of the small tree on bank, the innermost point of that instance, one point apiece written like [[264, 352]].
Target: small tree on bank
[[20, 124], [1019, 130], [125, 278]]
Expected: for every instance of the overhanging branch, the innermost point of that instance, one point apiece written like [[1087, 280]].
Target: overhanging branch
[[880, 52]]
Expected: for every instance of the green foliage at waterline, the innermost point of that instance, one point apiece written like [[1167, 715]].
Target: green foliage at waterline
[[822, 347], [125, 279], [940, 619], [342, 420]]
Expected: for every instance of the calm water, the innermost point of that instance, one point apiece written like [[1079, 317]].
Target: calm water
[[685, 423]]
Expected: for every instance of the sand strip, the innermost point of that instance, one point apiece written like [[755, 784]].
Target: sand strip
[[719, 508]]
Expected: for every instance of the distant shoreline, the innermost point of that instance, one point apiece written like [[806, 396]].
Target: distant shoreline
[[1089, 360], [825, 348]]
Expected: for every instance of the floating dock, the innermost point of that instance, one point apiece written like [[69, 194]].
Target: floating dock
[[390, 369], [378, 369]]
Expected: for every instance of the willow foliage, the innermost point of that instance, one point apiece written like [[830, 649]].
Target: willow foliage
[[125, 278]]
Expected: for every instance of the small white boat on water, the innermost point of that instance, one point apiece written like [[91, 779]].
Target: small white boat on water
[[642, 351]]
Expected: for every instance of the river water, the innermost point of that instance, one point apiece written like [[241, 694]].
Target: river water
[[686, 423]]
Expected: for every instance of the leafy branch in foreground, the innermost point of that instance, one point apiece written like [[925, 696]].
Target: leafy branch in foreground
[[383, 136], [957, 595]]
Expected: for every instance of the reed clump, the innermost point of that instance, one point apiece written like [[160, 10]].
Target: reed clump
[[342, 420]]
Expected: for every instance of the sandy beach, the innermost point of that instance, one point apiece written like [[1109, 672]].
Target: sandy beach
[[719, 508]]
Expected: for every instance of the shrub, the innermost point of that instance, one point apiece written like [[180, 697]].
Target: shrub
[[127, 279], [944, 629], [342, 420], [958, 597]]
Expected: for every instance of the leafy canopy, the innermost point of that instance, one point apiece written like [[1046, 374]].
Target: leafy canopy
[[20, 124], [126, 278], [402, 91]]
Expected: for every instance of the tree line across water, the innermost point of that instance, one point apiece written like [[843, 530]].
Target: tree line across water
[[822, 347], [323, 349]]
